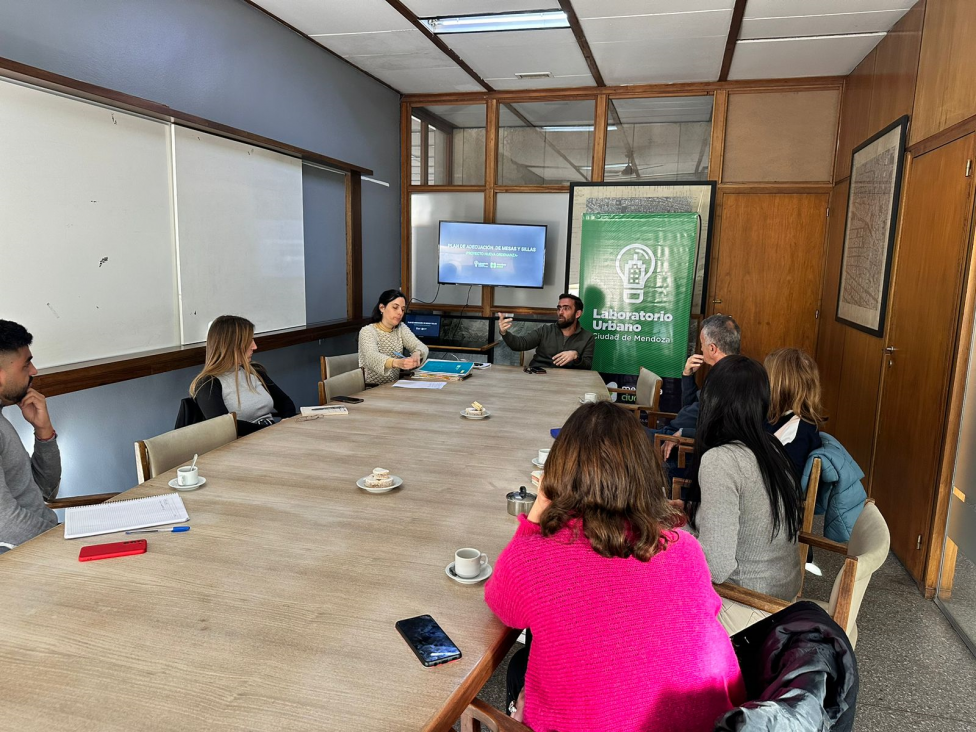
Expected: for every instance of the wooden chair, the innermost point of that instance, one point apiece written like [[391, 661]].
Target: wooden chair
[[345, 384], [864, 554], [684, 445], [525, 357], [647, 397], [335, 365], [480, 717], [165, 452]]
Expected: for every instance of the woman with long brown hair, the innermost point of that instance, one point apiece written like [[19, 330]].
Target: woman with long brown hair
[[795, 412], [229, 381], [620, 605]]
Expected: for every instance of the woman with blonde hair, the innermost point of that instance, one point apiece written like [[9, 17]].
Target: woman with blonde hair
[[623, 615], [229, 381], [795, 412]]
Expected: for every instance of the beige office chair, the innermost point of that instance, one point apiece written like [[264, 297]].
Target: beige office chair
[[865, 553], [647, 397], [335, 365], [165, 452], [346, 384]]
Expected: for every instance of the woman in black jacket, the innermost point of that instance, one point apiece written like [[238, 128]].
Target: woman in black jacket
[[229, 381]]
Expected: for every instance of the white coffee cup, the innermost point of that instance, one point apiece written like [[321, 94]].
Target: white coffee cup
[[543, 454], [589, 396], [187, 475], [468, 563]]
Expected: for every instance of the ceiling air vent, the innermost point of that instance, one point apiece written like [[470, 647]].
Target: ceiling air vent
[[531, 75]]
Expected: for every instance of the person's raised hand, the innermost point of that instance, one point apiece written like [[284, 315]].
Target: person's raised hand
[[34, 408], [504, 323], [564, 357], [668, 445], [693, 363]]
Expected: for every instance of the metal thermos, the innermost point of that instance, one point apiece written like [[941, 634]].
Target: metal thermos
[[520, 501]]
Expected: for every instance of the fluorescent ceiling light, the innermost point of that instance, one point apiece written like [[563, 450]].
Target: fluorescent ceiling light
[[535, 20], [876, 34], [573, 128]]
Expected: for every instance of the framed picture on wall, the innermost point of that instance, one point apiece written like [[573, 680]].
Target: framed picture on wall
[[869, 234]]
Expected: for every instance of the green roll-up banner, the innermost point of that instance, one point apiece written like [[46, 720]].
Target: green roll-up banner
[[637, 274]]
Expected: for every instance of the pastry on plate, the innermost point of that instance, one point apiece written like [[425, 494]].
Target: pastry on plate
[[475, 410], [380, 478]]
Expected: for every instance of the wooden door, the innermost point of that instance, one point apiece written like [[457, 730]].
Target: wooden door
[[770, 265], [925, 301]]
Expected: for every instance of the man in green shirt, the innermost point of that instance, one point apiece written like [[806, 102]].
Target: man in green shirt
[[563, 344]]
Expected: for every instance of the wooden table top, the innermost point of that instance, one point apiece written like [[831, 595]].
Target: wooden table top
[[277, 610]]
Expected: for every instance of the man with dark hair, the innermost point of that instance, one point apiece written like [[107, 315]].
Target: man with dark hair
[[720, 337], [563, 344], [25, 481]]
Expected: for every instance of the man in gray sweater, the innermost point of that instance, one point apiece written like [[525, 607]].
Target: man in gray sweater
[[25, 481], [563, 344]]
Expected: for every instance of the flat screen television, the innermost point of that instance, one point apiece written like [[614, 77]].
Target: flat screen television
[[500, 255]]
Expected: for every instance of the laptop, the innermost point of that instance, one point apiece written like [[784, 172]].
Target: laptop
[[427, 328]]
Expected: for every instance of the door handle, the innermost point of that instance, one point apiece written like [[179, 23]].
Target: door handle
[[716, 302], [890, 349]]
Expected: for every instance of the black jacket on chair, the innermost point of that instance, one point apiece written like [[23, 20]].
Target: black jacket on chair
[[800, 670]]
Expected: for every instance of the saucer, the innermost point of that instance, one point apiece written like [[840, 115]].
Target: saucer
[[485, 574], [199, 484], [397, 482], [540, 465], [583, 401], [486, 415]]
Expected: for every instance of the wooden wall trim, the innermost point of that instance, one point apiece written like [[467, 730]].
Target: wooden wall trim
[[950, 134], [491, 177], [444, 189], [354, 246], [716, 151], [738, 11], [600, 139], [89, 374], [775, 187], [567, 7], [16, 71], [629, 91], [532, 189]]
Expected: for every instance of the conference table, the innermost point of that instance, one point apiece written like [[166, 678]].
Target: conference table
[[276, 611]]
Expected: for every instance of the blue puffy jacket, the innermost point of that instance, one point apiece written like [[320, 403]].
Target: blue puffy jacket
[[840, 495]]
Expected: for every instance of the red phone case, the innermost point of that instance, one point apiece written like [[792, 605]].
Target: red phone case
[[116, 549]]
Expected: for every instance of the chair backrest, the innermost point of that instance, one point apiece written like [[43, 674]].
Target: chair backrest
[[868, 547], [335, 365], [165, 452], [648, 389], [525, 357], [810, 505], [345, 384]]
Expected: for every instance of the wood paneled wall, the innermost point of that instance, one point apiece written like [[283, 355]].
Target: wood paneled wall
[[924, 68]]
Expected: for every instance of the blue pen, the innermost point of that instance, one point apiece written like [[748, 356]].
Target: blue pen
[[174, 530]]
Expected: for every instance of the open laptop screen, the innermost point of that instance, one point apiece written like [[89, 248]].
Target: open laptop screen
[[424, 326]]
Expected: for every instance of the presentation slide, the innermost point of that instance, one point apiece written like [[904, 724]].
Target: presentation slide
[[502, 255]]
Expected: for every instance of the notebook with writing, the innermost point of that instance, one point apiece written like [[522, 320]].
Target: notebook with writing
[[135, 513]]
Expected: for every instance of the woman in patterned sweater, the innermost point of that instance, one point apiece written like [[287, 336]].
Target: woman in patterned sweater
[[387, 347]]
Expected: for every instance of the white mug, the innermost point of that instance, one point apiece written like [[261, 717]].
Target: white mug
[[589, 396], [187, 475], [543, 454], [468, 563]]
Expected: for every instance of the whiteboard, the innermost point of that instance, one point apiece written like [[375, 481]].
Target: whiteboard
[[86, 227], [239, 234]]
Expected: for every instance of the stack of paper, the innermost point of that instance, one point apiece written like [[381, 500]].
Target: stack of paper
[[135, 513]]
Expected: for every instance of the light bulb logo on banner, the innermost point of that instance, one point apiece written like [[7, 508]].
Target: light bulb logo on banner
[[634, 272]]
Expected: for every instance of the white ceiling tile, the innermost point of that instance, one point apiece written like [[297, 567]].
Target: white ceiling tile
[[439, 8], [787, 8], [647, 27], [423, 81], [663, 61], [824, 56], [371, 44], [617, 8], [554, 83], [337, 16], [502, 55], [820, 25], [431, 58]]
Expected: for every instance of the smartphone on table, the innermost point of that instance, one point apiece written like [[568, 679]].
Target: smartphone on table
[[428, 641], [347, 399], [115, 549]]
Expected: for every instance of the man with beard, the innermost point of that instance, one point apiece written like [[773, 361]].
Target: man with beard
[[25, 481], [563, 344]]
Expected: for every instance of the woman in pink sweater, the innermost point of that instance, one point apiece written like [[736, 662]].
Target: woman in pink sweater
[[620, 605]]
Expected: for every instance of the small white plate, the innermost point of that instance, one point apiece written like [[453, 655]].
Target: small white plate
[[397, 482], [472, 416], [199, 484], [540, 465], [485, 574]]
